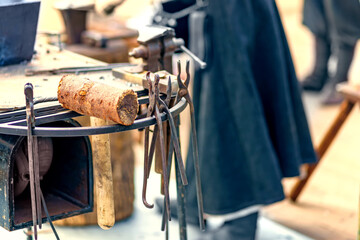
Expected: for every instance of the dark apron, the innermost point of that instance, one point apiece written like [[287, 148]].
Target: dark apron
[[251, 125]]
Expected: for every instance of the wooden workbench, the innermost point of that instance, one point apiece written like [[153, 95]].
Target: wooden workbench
[[12, 80]]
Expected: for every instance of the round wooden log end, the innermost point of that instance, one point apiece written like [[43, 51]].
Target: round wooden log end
[[128, 107]]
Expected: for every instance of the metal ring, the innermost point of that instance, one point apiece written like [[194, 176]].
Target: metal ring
[[85, 131]]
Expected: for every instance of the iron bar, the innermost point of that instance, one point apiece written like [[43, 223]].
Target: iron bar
[[28, 90], [180, 200]]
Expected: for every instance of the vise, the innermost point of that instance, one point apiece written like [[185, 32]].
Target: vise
[[157, 46]]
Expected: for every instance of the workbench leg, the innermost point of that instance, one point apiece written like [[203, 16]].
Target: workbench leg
[[180, 199], [344, 112]]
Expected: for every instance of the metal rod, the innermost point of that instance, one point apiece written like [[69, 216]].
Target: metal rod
[[176, 146], [152, 147], [75, 70], [167, 231], [165, 218], [28, 90], [163, 156], [192, 55], [196, 165], [180, 201], [37, 181], [48, 215], [184, 92], [147, 167]]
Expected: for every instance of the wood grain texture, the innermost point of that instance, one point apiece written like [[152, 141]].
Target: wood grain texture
[[98, 99], [130, 74], [103, 176]]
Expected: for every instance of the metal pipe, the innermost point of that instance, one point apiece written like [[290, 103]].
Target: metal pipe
[[194, 57]]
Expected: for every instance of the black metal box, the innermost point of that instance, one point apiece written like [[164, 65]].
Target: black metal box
[[67, 183], [18, 24]]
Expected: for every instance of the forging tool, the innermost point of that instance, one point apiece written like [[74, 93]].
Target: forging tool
[[34, 165], [165, 187], [174, 141], [183, 92], [157, 106], [33, 159], [150, 112], [174, 145], [153, 109]]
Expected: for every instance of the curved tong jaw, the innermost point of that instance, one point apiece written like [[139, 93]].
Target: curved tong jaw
[[168, 92], [151, 106], [183, 86]]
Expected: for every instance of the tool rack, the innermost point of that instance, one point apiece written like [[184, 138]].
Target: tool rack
[[14, 123]]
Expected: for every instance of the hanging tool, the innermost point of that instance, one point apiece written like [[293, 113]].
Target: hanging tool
[[34, 165], [164, 107], [150, 112], [162, 146], [174, 145], [157, 105], [183, 92], [165, 218], [33, 159], [153, 109]]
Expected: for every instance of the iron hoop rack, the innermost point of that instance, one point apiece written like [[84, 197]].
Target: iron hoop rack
[[14, 123]]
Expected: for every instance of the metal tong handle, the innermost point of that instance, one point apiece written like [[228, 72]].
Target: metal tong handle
[[162, 146], [34, 165], [174, 141], [33, 159], [183, 92], [48, 216], [164, 222], [147, 162]]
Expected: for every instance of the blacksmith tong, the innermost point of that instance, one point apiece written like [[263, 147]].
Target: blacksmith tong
[[157, 106], [183, 92], [33, 156]]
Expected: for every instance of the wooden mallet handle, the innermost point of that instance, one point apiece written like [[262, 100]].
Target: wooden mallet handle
[[103, 176]]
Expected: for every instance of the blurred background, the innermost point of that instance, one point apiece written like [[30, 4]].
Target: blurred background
[[329, 205]]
